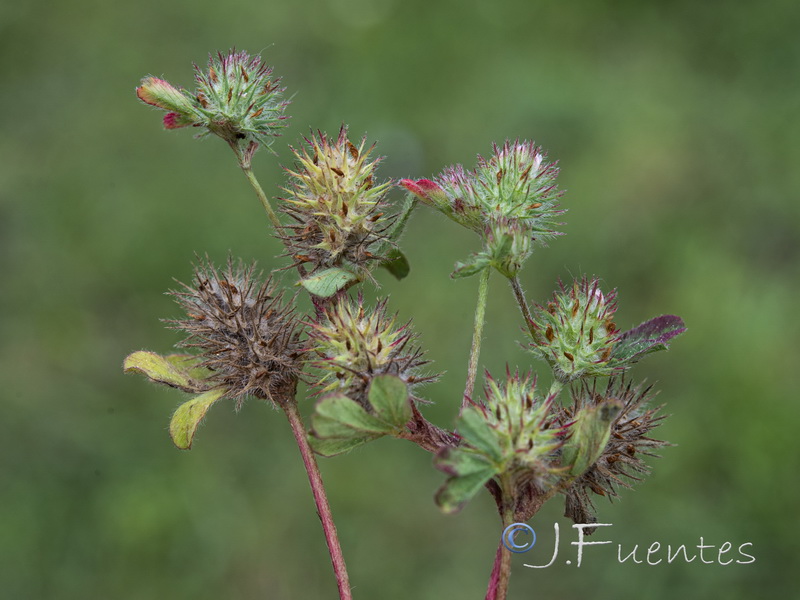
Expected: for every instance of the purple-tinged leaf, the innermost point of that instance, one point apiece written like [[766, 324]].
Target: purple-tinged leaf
[[648, 337]]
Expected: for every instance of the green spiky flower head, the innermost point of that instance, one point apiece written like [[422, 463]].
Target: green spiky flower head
[[509, 438], [236, 99], [354, 344], [337, 208], [520, 420], [510, 199], [575, 333]]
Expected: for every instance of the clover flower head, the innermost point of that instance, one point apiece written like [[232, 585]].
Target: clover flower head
[[236, 99], [510, 199], [354, 344], [247, 337], [620, 462], [575, 333], [521, 421], [338, 209]]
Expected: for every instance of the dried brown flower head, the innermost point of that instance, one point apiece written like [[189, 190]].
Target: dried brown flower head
[[620, 464], [247, 337]]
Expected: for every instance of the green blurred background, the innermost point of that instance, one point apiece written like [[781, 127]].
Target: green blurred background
[[675, 125]]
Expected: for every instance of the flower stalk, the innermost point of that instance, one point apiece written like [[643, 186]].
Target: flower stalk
[[320, 499], [245, 163], [477, 335]]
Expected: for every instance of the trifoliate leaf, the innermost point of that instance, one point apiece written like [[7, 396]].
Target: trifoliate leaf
[[188, 416]]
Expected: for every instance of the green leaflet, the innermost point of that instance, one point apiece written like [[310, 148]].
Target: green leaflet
[[468, 472], [589, 437], [348, 415], [474, 265], [477, 432], [396, 263], [388, 395], [326, 283], [340, 424], [175, 370], [186, 419]]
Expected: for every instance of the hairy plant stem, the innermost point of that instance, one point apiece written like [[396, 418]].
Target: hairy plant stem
[[519, 294], [245, 164], [501, 570], [320, 499], [402, 219], [477, 334]]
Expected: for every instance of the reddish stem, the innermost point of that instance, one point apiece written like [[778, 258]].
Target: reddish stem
[[321, 500]]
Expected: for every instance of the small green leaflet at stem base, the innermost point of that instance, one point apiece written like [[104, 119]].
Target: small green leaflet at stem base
[[326, 283], [188, 416], [396, 263], [474, 265]]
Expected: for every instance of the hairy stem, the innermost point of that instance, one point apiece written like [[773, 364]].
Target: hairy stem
[[501, 571], [245, 164], [477, 334], [402, 219], [320, 499], [519, 294]]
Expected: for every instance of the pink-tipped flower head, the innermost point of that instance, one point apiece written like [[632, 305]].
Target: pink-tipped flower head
[[236, 99], [511, 194]]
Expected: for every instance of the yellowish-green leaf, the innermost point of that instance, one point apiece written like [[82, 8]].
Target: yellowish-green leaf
[[175, 370], [188, 416]]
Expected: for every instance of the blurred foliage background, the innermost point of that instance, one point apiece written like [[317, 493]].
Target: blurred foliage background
[[675, 124]]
